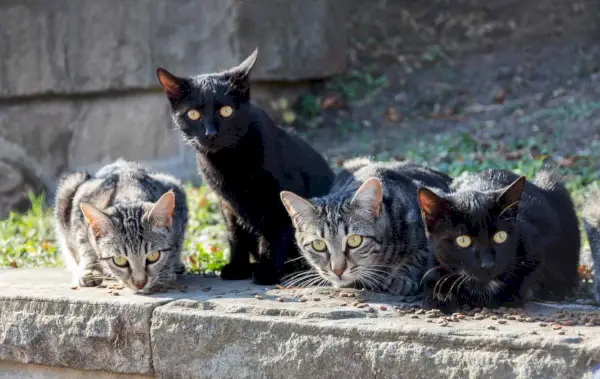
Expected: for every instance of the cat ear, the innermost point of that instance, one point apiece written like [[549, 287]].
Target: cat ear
[[432, 205], [239, 76], [171, 84], [98, 222], [297, 207], [161, 214], [509, 198], [369, 197]]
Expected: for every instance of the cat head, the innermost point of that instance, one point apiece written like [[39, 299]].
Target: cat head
[[339, 236], [211, 110], [473, 232], [132, 241]]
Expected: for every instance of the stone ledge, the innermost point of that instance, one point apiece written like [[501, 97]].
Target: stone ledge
[[220, 330]]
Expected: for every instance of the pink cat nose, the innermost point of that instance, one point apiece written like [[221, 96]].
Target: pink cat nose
[[339, 271], [140, 284]]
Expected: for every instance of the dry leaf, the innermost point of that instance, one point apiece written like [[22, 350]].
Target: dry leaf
[[331, 102], [13, 264]]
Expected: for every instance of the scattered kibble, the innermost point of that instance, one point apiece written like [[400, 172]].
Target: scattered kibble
[[259, 297], [529, 319], [115, 293], [556, 327], [356, 303], [561, 332], [303, 300], [362, 305], [206, 289], [317, 299], [542, 324], [343, 304], [478, 317], [280, 299], [431, 315], [414, 316], [492, 327], [383, 308], [419, 311]]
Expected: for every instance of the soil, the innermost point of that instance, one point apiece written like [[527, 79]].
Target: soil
[[501, 70]]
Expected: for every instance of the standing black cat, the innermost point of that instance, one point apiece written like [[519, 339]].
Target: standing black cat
[[247, 160], [499, 239]]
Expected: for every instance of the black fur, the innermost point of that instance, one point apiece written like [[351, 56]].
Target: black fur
[[538, 259], [247, 160]]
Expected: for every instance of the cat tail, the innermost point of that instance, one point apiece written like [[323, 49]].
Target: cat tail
[[549, 176], [69, 184], [591, 223]]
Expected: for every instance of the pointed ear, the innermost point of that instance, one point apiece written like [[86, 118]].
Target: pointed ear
[[297, 207], [369, 197], [161, 214], [432, 206], [98, 222], [239, 76], [172, 85], [509, 198]]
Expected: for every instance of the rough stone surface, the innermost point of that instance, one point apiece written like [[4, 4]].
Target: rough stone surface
[[14, 370], [20, 175], [235, 329], [63, 134], [64, 46]]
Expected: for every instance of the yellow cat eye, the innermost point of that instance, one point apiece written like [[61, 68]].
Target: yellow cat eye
[[153, 257], [120, 261], [354, 240], [319, 245], [226, 111], [193, 114], [463, 241], [500, 237]]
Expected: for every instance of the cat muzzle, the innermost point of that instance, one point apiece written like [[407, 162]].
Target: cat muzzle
[[210, 131]]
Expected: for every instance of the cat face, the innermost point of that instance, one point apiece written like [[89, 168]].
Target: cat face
[[132, 241], [340, 238], [473, 232], [211, 110]]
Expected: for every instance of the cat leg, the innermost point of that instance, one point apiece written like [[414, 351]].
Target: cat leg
[[273, 251], [241, 244], [89, 268]]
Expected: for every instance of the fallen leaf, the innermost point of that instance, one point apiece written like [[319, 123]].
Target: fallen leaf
[[584, 271], [13, 264], [392, 115], [331, 102]]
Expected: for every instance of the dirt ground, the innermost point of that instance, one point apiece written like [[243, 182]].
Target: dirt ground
[[521, 76]]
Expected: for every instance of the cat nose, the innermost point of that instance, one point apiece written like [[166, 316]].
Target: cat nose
[[339, 272], [140, 283], [487, 265], [210, 131]]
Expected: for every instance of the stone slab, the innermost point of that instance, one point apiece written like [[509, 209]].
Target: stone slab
[[63, 134], [218, 329], [14, 370], [89, 46]]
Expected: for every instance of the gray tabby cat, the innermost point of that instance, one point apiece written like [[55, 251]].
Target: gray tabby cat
[[368, 230], [125, 221], [591, 221]]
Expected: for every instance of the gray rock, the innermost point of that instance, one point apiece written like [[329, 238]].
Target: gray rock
[[83, 46], [20, 175]]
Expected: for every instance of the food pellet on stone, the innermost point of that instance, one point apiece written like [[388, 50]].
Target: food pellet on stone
[[511, 317], [116, 293], [259, 297], [556, 327], [280, 299], [431, 315], [420, 311], [362, 305], [356, 303], [343, 304], [589, 324], [429, 320], [460, 316], [494, 318], [542, 324], [478, 317], [414, 316], [533, 332], [206, 289], [529, 319], [317, 299], [383, 308], [492, 327], [502, 322], [302, 300], [561, 332]]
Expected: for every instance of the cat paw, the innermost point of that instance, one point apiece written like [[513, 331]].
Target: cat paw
[[265, 275], [236, 271], [92, 277]]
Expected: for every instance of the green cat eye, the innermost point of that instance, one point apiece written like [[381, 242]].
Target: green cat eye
[[120, 261], [354, 240], [463, 241], [500, 237], [153, 257], [319, 245]]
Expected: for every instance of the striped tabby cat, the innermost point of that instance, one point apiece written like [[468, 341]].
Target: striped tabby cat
[[125, 221], [368, 231]]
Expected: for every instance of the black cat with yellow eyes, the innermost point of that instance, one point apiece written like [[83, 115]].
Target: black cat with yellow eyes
[[247, 160], [498, 239]]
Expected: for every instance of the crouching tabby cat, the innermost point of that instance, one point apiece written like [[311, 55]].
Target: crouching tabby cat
[[367, 231], [498, 239], [125, 221], [247, 160]]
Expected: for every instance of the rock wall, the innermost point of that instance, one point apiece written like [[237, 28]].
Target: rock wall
[[77, 78]]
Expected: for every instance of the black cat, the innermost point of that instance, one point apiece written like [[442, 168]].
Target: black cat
[[498, 239], [247, 160]]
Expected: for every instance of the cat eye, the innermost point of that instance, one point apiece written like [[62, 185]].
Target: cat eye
[[193, 114], [120, 261], [319, 245], [354, 240], [226, 111], [500, 237], [463, 241], [153, 257]]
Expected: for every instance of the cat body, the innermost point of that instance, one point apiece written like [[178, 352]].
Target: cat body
[[498, 239], [367, 231], [247, 160], [591, 221], [125, 221]]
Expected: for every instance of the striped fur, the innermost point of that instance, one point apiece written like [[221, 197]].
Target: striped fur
[[591, 221], [123, 194], [393, 254]]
